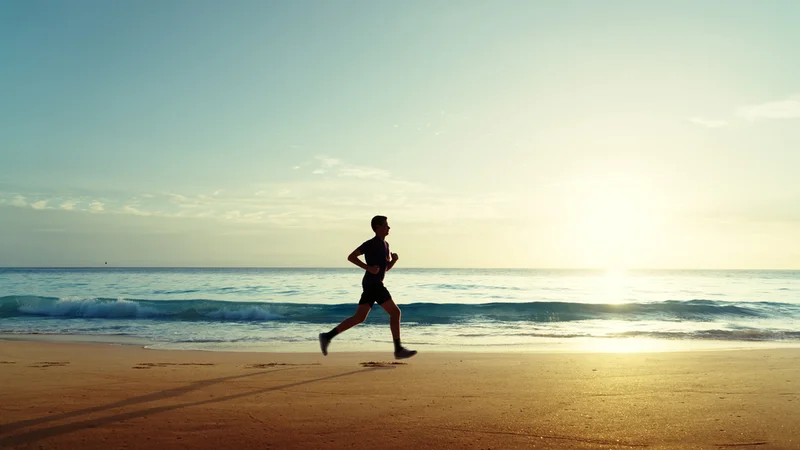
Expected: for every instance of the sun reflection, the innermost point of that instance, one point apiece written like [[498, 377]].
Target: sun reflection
[[614, 286]]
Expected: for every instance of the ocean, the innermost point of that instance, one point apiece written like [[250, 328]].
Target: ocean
[[269, 309]]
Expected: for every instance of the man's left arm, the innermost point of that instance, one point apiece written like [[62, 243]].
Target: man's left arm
[[391, 263]]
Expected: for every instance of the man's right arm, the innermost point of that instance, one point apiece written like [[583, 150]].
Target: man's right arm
[[353, 258]]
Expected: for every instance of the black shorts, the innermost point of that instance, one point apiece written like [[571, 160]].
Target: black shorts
[[374, 294]]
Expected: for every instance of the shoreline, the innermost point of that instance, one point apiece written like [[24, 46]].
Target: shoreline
[[554, 345], [71, 396]]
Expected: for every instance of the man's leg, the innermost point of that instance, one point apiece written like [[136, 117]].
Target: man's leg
[[394, 317], [361, 315], [394, 324]]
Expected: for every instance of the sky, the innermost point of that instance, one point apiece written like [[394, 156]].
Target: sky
[[537, 134]]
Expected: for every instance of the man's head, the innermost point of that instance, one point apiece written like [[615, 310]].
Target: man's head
[[380, 226]]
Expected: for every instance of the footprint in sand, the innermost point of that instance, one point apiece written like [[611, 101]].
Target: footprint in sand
[[46, 364], [273, 364], [382, 364], [150, 365]]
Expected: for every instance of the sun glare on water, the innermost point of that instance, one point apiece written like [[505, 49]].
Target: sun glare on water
[[613, 286]]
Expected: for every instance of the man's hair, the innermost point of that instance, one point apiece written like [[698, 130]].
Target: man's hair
[[377, 221]]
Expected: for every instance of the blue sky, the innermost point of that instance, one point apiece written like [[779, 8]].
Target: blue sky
[[493, 134]]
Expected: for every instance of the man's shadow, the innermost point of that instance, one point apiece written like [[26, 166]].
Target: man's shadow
[[35, 435], [161, 395]]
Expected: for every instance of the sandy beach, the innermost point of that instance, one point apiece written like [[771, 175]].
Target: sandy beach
[[71, 396]]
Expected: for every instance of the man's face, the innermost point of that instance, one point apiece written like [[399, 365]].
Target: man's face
[[383, 229]]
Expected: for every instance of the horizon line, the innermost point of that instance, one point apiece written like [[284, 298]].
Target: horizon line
[[576, 269]]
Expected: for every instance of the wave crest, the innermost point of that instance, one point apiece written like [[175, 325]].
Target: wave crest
[[420, 313]]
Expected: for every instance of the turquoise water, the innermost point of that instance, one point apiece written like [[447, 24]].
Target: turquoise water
[[455, 309]]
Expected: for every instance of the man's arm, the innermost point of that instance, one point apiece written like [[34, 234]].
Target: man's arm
[[391, 263], [353, 258]]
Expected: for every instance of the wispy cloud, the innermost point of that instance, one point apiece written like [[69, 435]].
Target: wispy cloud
[[18, 201], [328, 162], [68, 205], [781, 109], [788, 108], [333, 200], [364, 173], [342, 169], [131, 209], [708, 123]]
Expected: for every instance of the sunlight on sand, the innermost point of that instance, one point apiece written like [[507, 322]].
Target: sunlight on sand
[[627, 345]]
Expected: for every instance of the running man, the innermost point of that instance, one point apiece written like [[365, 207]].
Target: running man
[[378, 261]]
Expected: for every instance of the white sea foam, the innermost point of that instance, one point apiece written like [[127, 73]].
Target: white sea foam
[[91, 308], [251, 313]]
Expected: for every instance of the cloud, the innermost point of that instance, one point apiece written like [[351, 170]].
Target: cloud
[[350, 173], [781, 109], [341, 169], [334, 201], [364, 173], [328, 162], [197, 201], [131, 209], [232, 215], [177, 198], [19, 201], [708, 123]]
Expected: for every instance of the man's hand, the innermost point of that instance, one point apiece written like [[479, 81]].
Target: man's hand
[[391, 263], [373, 269]]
